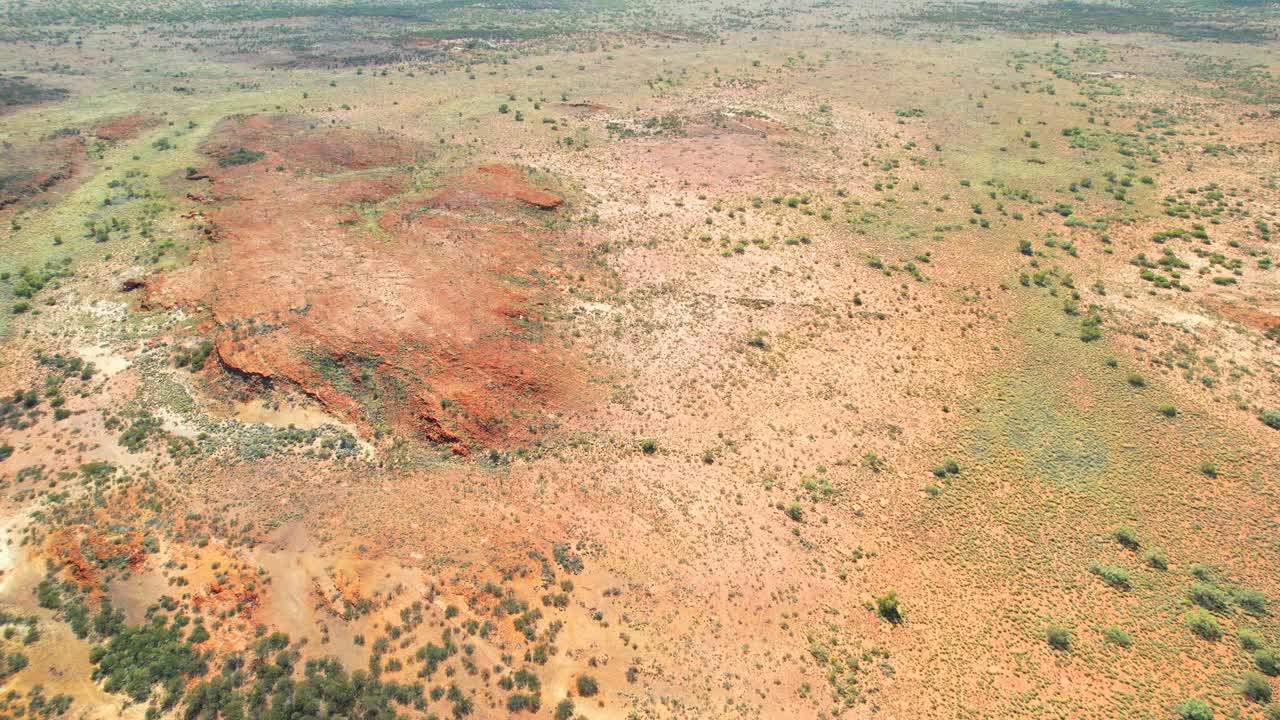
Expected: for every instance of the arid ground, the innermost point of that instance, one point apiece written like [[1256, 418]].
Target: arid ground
[[608, 359]]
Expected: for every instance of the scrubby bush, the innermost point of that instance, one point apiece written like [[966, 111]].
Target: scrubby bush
[[1209, 597], [1058, 637], [521, 702], [1156, 559], [587, 686], [887, 607], [1249, 639], [240, 156], [1117, 636], [1116, 577], [1194, 709], [1251, 601], [1267, 662], [1126, 537], [1204, 624], [1254, 686], [1089, 328], [1271, 419]]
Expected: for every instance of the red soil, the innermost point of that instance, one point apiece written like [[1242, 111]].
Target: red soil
[[67, 547], [125, 127], [27, 171], [299, 144], [418, 311], [1249, 315]]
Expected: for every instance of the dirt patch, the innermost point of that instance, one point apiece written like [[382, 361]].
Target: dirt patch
[[764, 125], [416, 311], [27, 171], [718, 158], [1248, 315], [125, 127], [300, 144]]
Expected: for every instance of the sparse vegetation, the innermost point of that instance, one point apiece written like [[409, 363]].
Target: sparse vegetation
[[516, 344]]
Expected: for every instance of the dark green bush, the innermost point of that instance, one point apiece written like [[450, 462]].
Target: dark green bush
[[887, 607], [1254, 686], [1209, 597], [1250, 639], [1267, 662], [1058, 637], [1251, 601], [240, 156], [1126, 537]]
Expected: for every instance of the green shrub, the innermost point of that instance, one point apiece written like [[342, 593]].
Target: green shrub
[[1058, 637], [1168, 410], [1090, 327], [649, 446], [1267, 662], [1272, 712], [240, 156], [1204, 624], [1271, 419], [564, 710], [1194, 709], [137, 658], [1126, 537], [522, 702], [1208, 469], [587, 686], [1116, 577], [1156, 559], [887, 607], [1209, 597], [1251, 601], [1255, 687], [1117, 636], [795, 511], [1250, 639]]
